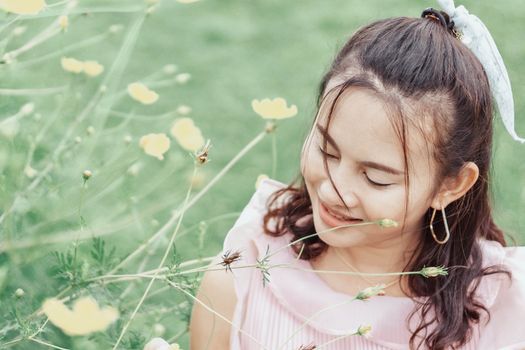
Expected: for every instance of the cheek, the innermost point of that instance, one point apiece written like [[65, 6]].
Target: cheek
[[312, 166]]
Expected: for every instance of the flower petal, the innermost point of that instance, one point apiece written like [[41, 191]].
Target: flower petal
[[86, 317], [93, 68], [155, 144], [274, 109], [23, 7], [187, 134], [72, 65], [141, 93]]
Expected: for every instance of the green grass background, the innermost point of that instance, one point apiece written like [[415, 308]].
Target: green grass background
[[235, 51]]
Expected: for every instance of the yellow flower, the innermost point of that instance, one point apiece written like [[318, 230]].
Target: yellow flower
[[23, 7], [63, 22], [93, 68], [72, 65], [274, 109], [155, 144], [86, 317], [141, 93], [259, 179], [187, 134]]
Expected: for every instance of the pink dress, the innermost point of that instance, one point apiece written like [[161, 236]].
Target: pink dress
[[297, 308]]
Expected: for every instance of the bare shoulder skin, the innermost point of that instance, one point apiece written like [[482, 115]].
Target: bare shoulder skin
[[208, 330]]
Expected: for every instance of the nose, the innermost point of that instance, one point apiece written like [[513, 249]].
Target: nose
[[330, 197]]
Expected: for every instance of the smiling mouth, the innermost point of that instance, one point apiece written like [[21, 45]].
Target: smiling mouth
[[335, 219]]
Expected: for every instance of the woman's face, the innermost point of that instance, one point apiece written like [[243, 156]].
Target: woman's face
[[367, 166]]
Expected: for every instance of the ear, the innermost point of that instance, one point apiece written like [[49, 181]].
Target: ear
[[454, 188]]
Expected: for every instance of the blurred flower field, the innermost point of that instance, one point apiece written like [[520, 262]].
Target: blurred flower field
[[132, 133]]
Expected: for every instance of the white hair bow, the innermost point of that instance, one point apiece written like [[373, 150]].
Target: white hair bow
[[476, 36]]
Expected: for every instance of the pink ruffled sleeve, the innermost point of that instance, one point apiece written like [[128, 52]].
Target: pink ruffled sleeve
[[506, 329]]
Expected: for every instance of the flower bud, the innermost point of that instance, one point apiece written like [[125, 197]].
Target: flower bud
[[369, 292], [434, 271], [63, 22], [182, 78], [169, 69], [86, 174], [270, 127], [159, 329], [183, 110], [28, 108], [19, 293], [387, 223], [364, 330]]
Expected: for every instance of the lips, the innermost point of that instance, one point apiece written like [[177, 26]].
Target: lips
[[332, 218]]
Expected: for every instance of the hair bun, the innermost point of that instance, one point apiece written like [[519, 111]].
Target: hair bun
[[439, 16]]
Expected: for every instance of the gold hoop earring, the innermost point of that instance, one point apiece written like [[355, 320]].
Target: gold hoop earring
[[445, 223]]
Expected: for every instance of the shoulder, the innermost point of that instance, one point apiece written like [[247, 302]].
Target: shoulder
[[222, 291], [506, 326], [249, 226], [213, 308]]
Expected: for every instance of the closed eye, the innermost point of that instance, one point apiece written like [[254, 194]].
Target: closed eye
[[373, 183]]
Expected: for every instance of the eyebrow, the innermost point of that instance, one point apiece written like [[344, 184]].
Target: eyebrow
[[382, 167], [365, 163]]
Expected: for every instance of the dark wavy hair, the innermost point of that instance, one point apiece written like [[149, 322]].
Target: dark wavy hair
[[424, 73]]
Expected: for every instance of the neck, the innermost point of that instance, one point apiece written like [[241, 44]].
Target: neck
[[387, 257], [369, 259]]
